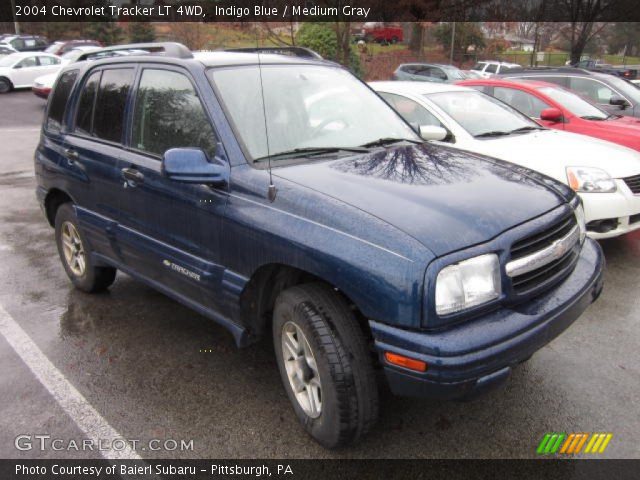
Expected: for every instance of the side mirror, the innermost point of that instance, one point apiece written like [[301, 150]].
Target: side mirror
[[431, 132], [190, 165], [619, 101], [17, 66], [551, 115]]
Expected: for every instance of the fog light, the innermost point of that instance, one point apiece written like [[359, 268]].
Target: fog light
[[406, 362]]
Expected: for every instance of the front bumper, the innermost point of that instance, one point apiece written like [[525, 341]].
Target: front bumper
[[468, 359], [42, 92], [621, 206]]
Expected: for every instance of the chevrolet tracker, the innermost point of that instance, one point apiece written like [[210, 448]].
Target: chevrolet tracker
[[279, 196]]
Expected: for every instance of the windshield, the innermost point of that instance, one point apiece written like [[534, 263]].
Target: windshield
[[9, 60], [574, 103], [480, 114], [306, 106], [625, 88], [455, 73]]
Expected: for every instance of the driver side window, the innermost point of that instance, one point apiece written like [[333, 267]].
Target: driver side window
[[528, 104], [28, 62], [411, 111], [168, 114]]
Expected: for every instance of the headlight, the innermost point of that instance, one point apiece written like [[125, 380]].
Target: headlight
[[579, 211], [468, 283], [587, 179]]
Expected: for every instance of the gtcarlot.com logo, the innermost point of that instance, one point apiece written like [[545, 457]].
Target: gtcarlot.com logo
[[573, 443], [45, 442]]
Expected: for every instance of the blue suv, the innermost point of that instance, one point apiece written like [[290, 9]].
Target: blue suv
[[281, 196]]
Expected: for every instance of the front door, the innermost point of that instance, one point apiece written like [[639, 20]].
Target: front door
[[170, 231]]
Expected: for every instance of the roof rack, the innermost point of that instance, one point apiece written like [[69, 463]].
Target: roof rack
[[167, 49], [301, 52]]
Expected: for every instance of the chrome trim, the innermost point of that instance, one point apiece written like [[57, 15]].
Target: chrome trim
[[543, 257]]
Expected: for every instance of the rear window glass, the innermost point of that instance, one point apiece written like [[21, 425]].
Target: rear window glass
[[108, 119], [84, 115], [59, 98]]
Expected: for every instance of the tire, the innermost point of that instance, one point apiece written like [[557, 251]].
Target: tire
[[75, 254], [5, 85], [328, 335]]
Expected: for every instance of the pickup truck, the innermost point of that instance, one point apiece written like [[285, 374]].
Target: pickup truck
[[381, 33], [282, 198]]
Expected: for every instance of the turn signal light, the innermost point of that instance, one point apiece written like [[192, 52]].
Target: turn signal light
[[406, 362]]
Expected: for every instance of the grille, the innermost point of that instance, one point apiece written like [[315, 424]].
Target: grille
[[545, 276], [633, 183]]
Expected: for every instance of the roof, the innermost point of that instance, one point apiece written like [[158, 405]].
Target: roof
[[222, 58], [417, 88], [507, 82], [497, 62], [31, 54]]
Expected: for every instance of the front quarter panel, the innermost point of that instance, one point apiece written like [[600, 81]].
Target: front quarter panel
[[378, 267]]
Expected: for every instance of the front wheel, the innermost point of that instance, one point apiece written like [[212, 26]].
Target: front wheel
[[325, 365], [5, 85], [75, 254]]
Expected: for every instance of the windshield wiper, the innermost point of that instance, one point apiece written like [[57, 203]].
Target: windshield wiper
[[494, 133], [593, 117], [528, 128], [381, 142], [311, 151]]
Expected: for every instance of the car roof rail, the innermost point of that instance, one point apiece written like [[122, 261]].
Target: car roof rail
[[301, 52], [167, 49]]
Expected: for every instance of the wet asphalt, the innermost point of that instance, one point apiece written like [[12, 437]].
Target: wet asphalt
[[139, 359]]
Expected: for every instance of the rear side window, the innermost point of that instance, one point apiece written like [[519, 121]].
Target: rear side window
[[168, 114], [46, 61], [84, 115], [59, 99], [108, 117]]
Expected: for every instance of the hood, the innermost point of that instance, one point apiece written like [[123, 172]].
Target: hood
[[551, 151], [624, 120], [445, 198]]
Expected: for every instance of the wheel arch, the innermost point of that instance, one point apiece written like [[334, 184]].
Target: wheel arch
[[52, 201], [258, 298], [4, 77]]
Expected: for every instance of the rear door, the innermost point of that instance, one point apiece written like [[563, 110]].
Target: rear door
[[170, 230], [25, 71], [93, 151]]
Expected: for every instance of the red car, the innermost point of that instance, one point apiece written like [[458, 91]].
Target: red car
[[562, 109]]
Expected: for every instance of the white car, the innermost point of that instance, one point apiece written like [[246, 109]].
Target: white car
[[603, 173], [488, 68], [19, 70]]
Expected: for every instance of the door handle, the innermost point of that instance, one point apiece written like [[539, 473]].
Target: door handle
[[132, 176], [72, 155]]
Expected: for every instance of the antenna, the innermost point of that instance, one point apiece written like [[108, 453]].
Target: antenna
[[272, 191]]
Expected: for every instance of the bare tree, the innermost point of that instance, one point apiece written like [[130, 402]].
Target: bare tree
[[583, 23]]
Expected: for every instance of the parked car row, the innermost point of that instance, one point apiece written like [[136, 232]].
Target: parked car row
[[284, 199]]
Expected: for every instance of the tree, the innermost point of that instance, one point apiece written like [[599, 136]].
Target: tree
[[141, 32], [583, 23], [106, 32], [322, 38], [468, 34], [625, 37]]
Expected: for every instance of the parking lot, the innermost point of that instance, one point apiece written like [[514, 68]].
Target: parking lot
[[152, 369]]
